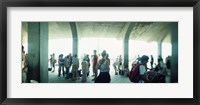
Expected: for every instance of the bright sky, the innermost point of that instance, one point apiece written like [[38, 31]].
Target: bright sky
[[112, 46], [60, 46]]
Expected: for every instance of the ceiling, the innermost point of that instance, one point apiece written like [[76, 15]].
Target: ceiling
[[145, 31]]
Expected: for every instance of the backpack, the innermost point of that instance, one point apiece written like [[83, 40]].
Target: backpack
[[134, 74]]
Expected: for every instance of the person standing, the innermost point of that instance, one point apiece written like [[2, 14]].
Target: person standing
[[75, 66], [151, 62], [84, 69], [115, 65], [103, 66], [67, 66], [120, 62], [88, 60], [61, 65], [52, 62], [24, 66], [70, 57], [94, 64]]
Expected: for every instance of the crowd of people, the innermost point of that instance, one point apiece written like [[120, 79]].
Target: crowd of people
[[157, 74], [71, 67]]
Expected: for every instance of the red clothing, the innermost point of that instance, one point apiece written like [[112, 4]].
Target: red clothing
[[95, 60]]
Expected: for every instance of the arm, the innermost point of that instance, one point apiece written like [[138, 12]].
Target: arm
[[99, 64]]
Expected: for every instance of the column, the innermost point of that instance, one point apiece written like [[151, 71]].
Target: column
[[38, 51], [160, 41], [174, 59], [75, 38], [126, 53], [159, 48], [126, 45], [44, 33]]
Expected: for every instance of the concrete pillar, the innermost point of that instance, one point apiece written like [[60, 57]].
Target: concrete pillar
[[159, 48], [44, 33], [174, 58], [126, 53], [38, 51], [75, 46], [75, 38], [160, 41], [126, 45]]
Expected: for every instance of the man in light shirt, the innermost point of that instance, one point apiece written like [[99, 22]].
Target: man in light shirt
[[75, 66]]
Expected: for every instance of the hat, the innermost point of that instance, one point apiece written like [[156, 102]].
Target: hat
[[144, 58]]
